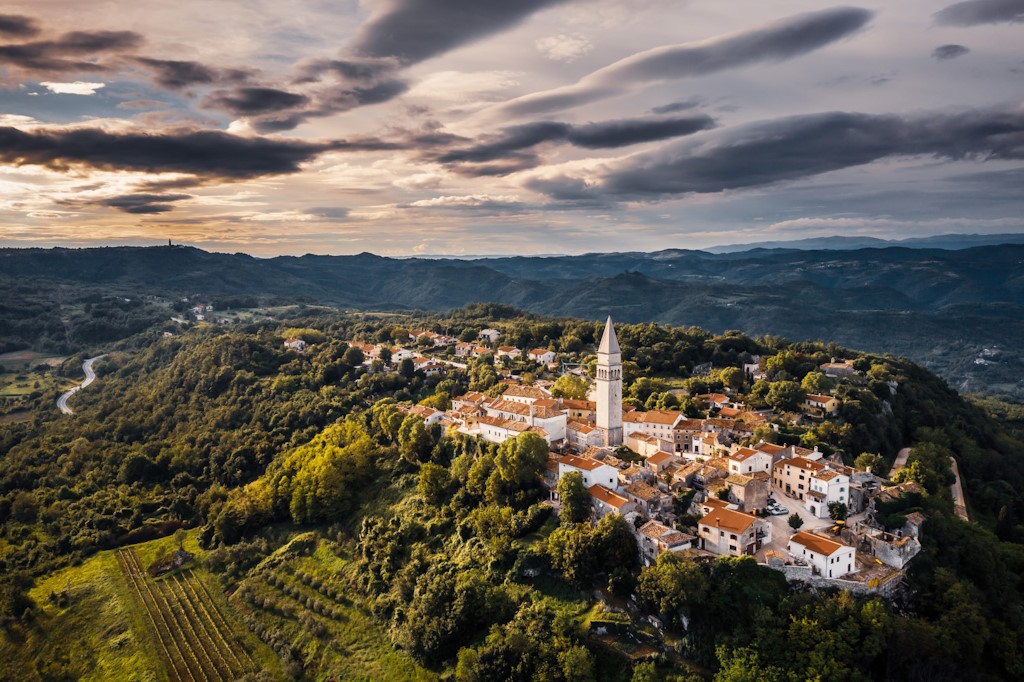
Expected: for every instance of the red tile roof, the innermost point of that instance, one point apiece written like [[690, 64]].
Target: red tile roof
[[612, 499]]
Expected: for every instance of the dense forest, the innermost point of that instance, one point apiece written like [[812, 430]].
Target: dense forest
[[270, 455]]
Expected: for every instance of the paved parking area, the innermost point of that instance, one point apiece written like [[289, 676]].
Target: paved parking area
[[781, 532]]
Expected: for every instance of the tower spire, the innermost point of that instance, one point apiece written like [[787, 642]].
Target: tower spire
[[609, 387], [609, 343]]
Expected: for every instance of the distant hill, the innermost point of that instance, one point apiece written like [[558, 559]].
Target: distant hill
[[940, 307], [837, 243]]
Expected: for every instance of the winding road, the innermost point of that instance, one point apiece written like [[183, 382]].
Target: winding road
[[901, 461], [90, 376], [959, 504]]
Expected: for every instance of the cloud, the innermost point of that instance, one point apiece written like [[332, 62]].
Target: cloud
[[330, 212], [403, 33], [144, 203], [18, 26], [975, 12], [508, 146], [465, 85], [208, 154], [564, 47], [253, 101], [470, 201], [785, 39], [674, 107], [178, 75], [70, 52], [76, 88], [791, 149], [141, 104], [412, 31], [944, 52]]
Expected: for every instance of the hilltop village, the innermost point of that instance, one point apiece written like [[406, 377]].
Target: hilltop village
[[793, 508]]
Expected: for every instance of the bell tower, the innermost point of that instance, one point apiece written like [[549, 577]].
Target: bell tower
[[609, 387]]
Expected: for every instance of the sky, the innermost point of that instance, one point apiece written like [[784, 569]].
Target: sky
[[476, 127]]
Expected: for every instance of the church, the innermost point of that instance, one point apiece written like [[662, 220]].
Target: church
[[609, 388]]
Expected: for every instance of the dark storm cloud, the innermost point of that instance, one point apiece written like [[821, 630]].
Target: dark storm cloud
[[509, 145], [778, 41], [178, 75], [18, 26], [975, 12], [253, 101], [201, 153], [144, 203], [944, 52], [799, 147], [412, 31], [69, 52]]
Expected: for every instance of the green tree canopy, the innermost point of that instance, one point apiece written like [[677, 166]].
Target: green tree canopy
[[570, 386], [574, 498]]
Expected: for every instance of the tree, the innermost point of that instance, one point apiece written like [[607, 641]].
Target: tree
[[572, 551], [570, 386], [385, 418], [353, 357], [25, 507], [414, 441], [785, 395], [673, 587], [644, 672], [575, 500], [520, 459], [615, 544], [869, 461], [407, 368], [179, 537], [838, 511], [439, 401], [434, 483], [795, 521], [816, 382], [732, 377]]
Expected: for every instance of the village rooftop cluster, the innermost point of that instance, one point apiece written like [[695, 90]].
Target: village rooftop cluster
[[792, 508]]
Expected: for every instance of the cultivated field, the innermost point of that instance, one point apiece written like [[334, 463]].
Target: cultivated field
[[195, 641], [120, 624]]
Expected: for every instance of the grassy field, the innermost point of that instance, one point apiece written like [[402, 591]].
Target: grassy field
[[302, 595], [105, 633], [23, 359], [23, 390]]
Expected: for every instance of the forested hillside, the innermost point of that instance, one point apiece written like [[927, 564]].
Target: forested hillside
[[356, 542], [960, 313]]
